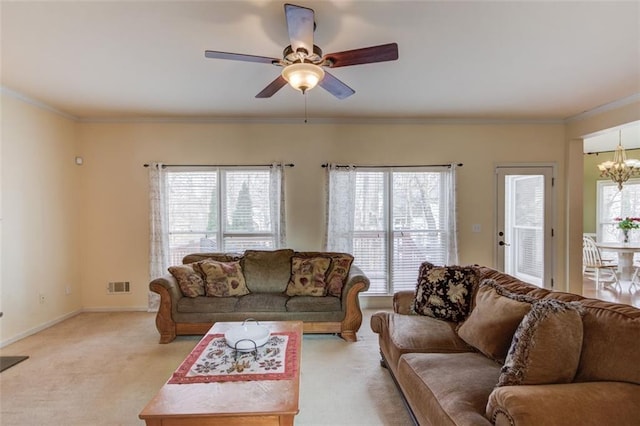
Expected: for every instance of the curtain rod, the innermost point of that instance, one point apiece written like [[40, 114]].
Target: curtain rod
[[384, 167], [221, 165]]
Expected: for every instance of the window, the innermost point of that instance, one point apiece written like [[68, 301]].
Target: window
[[401, 218], [221, 210], [614, 203]]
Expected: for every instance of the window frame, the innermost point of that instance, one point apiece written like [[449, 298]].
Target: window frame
[[391, 233], [600, 223], [222, 235]]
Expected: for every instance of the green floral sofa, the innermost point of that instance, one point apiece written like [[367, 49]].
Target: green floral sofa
[[319, 288], [474, 346]]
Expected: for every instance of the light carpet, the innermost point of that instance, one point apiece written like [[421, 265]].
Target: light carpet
[[103, 368]]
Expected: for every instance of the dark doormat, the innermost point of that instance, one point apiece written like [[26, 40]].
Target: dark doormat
[[10, 361]]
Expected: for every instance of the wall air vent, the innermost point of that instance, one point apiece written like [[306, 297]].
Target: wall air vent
[[119, 287]]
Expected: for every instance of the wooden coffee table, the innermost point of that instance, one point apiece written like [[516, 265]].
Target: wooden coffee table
[[259, 402]]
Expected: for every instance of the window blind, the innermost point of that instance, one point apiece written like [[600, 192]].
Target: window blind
[[614, 203], [400, 222], [218, 210]]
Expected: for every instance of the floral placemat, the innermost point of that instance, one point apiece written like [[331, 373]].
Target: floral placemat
[[212, 360]]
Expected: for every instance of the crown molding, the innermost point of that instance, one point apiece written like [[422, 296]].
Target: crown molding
[[34, 102], [604, 108], [321, 120]]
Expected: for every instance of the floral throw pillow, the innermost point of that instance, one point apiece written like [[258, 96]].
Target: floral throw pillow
[[223, 279], [189, 280], [308, 276], [445, 292], [337, 273]]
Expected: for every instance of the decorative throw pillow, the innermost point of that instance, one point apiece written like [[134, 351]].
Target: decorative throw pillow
[[307, 276], [337, 273], [546, 346], [189, 280], [223, 279], [445, 292], [491, 324]]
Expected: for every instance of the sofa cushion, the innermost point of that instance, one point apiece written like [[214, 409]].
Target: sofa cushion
[[313, 304], [546, 346], [445, 292], [494, 319], [207, 305], [338, 273], [448, 389], [189, 280], [400, 334], [262, 302], [610, 348], [308, 276], [267, 271], [223, 279]]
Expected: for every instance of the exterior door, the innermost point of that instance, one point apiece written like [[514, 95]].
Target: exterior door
[[524, 226]]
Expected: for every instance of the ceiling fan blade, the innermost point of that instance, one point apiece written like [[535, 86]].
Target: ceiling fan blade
[[300, 23], [366, 55], [336, 87], [239, 57], [272, 88]]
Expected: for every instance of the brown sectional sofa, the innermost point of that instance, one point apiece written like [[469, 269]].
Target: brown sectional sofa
[[446, 381], [267, 274]]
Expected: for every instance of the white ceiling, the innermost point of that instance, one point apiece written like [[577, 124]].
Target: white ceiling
[[518, 60]]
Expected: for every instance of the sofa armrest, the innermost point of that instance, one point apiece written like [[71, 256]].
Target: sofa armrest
[[403, 301], [588, 403], [169, 283], [169, 291], [357, 282], [355, 276]]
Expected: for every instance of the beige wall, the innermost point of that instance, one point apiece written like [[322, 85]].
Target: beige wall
[[114, 181], [84, 226], [40, 218]]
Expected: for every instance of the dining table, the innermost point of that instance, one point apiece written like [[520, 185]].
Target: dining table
[[625, 252]]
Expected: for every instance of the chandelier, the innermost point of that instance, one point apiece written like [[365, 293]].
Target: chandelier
[[620, 169]]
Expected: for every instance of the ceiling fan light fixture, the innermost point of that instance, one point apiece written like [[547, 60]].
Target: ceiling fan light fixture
[[303, 76]]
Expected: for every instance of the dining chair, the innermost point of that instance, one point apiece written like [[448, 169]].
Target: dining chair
[[635, 280], [593, 265]]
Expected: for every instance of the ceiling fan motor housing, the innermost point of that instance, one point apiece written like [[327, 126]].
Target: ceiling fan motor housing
[[301, 55]]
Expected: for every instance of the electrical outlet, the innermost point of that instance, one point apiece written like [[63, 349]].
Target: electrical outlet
[[67, 290], [41, 297]]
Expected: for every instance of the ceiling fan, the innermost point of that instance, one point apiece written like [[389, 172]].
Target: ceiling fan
[[303, 62]]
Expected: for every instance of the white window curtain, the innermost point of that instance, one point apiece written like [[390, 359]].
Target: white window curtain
[[392, 219], [158, 230], [452, 210], [276, 198], [341, 196]]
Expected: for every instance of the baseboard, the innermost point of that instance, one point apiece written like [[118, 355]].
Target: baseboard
[[118, 309], [39, 328]]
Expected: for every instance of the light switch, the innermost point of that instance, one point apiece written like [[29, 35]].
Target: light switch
[[476, 227]]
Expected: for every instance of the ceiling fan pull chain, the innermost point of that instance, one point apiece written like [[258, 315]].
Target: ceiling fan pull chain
[[305, 107]]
